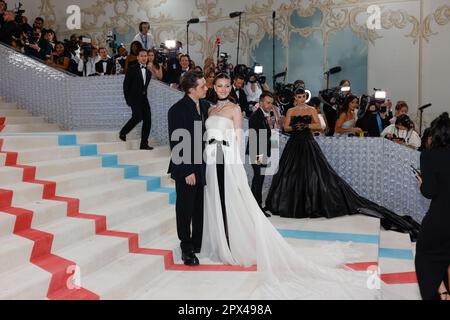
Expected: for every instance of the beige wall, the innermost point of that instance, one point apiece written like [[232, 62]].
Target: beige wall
[[408, 57]]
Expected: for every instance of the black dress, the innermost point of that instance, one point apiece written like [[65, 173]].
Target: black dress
[[433, 246], [306, 186]]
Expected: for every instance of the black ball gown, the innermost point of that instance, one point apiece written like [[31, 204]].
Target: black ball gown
[[306, 186]]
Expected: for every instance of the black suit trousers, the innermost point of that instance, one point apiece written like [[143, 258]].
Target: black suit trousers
[[140, 112], [257, 183], [189, 211]]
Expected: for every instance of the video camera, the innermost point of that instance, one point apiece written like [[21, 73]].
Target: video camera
[[256, 71], [167, 51], [111, 41], [85, 47], [335, 96], [223, 65], [377, 99], [19, 13]]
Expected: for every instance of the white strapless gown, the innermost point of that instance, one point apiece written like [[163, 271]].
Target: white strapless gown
[[283, 273]]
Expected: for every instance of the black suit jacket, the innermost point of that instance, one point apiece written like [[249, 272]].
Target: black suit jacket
[[259, 125], [369, 123], [241, 101], [110, 67], [183, 115], [134, 88]]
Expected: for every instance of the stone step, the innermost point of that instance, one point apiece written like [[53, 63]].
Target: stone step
[[28, 142], [45, 127], [25, 120], [14, 113]]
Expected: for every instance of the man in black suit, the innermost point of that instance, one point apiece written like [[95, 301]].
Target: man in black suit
[[106, 65], [375, 120], [238, 93], [259, 145], [187, 123], [135, 88]]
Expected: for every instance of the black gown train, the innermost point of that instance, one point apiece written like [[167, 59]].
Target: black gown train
[[306, 186]]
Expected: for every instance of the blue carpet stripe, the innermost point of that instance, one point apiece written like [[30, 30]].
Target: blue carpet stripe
[[330, 236], [131, 172], [400, 254]]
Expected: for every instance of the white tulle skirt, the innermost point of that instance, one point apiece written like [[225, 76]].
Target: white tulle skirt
[[253, 240]]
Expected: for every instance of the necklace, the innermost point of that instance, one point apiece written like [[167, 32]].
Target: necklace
[[221, 104]]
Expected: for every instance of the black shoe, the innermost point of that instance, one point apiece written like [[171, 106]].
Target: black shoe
[[264, 210], [190, 259], [146, 148], [123, 137]]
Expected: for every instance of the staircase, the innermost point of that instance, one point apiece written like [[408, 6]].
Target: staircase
[[84, 215]]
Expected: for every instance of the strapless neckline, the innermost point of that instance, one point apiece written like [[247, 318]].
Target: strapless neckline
[[216, 116]]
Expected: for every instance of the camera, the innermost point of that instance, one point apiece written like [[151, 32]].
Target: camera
[[247, 72], [167, 51], [111, 41], [337, 94], [86, 47], [377, 99], [223, 65], [19, 12]]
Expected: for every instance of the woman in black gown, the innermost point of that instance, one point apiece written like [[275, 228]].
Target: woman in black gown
[[306, 186], [433, 246]]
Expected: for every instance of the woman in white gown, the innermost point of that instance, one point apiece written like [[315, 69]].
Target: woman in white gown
[[245, 237]]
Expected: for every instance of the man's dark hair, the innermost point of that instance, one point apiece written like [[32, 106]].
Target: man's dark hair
[[141, 50], [39, 19], [239, 76], [189, 80], [264, 95]]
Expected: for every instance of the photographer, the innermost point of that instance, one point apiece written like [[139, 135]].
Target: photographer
[[144, 37], [10, 28], [402, 132], [88, 59], [106, 65], [375, 119], [38, 47], [120, 59], [59, 58], [238, 94], [254, 89], [401, 108]]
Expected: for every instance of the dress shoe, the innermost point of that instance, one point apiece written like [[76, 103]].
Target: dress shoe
[[264, 210], [190, 259], [146, 148], [123, 137]]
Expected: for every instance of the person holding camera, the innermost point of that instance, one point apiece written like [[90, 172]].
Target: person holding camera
[[376, 118], [144, 37], [253, 90], [432, 259], [38, 47], [135, 87], [402, 132], [88, 59], [401, 108], [239, 95], [10, 29], [346, 122], [59, 58], [106, 65], [177, 69]]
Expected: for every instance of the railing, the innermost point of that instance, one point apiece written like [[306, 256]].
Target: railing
[[77, 103], [376, 168]]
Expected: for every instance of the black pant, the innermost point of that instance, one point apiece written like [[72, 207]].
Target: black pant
[[189, 210], [220, 168], [257, 183], [141, 112]]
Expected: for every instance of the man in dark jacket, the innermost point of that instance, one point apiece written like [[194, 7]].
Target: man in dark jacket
[[135, 88]]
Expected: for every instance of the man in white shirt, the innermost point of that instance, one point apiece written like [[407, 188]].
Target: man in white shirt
[[144, 36]]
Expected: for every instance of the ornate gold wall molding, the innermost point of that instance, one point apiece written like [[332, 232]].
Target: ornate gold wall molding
[[337, 16]]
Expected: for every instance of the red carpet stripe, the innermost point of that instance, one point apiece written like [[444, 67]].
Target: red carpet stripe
[[41, 255], [388, 278], [2, 123], [49, 193]]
